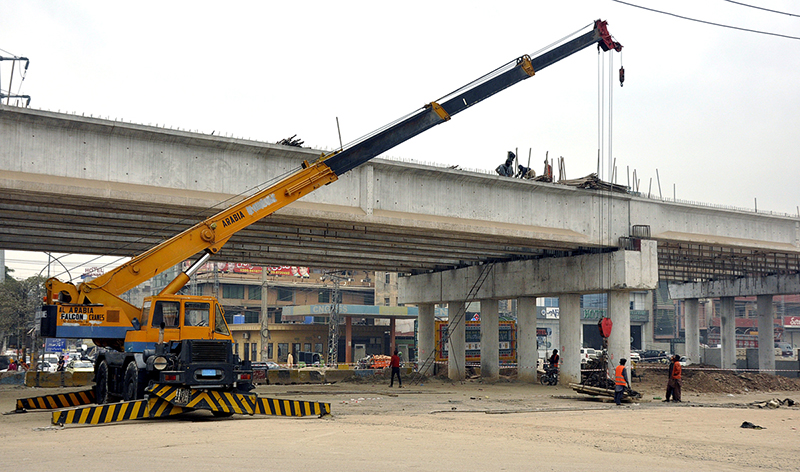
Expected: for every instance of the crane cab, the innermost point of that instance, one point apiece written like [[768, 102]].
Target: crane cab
[[182, 316]]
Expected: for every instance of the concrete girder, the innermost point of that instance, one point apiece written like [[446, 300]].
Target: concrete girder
[[591, 273], [742, 287]]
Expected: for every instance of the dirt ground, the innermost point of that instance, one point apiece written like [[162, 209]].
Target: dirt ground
[[435, 424]]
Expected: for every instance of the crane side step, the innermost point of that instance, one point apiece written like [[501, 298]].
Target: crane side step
[[50, 402]]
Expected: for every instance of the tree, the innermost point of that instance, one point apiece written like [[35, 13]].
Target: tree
[[19, 301]]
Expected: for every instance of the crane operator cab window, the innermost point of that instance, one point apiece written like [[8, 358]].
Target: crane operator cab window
[[219, 323], [196, 314], [166, 312]]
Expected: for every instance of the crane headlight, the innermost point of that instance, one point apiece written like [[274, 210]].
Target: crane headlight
[[160, 363]]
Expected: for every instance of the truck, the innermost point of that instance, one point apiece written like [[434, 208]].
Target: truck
[[181, 344]]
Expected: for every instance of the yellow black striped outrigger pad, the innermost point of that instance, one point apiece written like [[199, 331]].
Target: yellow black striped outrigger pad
[[114, 412], [239, 403], [168, 400], [50, 402]]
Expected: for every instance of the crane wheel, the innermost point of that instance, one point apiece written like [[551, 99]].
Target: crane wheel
[[101, 383], [131, 386]]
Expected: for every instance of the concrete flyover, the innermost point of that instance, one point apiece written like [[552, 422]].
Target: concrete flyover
[[88, 185]]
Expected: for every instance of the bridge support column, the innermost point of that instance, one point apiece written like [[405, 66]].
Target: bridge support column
[[490, 339], [727, 332], [527, 352], [693, 329], [456, 348], [619, 343], [348, 339], [426, 356], [392, 335], [766, 335], [569, 336]]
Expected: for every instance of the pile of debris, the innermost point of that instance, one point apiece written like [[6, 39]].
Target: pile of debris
[[591, 181], [291, 141]]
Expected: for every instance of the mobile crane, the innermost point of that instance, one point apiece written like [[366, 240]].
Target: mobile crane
[[176, 348]]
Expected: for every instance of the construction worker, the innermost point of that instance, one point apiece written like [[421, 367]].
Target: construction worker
[[620, 381], [674, 383]]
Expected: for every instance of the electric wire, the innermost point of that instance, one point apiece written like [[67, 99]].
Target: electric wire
[[761, 8], [707, 22]]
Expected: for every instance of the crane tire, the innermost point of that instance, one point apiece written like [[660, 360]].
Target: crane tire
[[101, 383], [131, 383]]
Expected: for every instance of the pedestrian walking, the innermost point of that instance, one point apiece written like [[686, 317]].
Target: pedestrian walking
[[394, 363], [620, 381]]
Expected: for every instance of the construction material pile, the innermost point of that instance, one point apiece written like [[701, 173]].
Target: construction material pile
[[591, 181]]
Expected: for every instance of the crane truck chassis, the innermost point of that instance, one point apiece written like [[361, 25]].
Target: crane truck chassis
[[175, 352]]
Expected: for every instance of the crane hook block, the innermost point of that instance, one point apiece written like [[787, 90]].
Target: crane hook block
[[621, 76]]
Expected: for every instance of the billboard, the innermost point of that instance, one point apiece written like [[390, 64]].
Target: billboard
[[791, 321]]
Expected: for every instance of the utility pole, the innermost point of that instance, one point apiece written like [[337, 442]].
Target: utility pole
[[264, 314], [333, 321]]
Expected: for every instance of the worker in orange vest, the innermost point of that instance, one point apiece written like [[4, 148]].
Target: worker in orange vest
[[674, 382], [620, 381]]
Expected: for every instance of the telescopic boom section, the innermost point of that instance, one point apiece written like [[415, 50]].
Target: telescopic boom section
[[211, 234]]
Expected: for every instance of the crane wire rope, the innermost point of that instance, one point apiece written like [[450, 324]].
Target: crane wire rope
[[459, 318], [474, 83], [350, 144]]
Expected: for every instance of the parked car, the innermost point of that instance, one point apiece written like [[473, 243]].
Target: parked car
[[80, 366], [685, 361], [785, 349], [587, 354], [275, 366], [635, 356], [654, 356], [45, 366]]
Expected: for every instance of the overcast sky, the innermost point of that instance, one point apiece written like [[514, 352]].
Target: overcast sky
[[715, 111]]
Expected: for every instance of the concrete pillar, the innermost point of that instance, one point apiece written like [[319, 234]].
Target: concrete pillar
[[619, 343], [647, 329], [693, 329], [490, 339], [527, 352], [426, 355], [456, 347], [392, 329], [569, 337], [727, 331], [348, 340], [766, 335]]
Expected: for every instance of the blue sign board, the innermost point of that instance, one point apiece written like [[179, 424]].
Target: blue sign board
[[55, 345]]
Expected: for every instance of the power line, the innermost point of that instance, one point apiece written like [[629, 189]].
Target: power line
[[706, 22], [762, 8]]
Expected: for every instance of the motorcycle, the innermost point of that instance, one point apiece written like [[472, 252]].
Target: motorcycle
[[550, 375]]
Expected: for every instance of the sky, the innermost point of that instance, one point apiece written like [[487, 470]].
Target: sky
[[710, 114]]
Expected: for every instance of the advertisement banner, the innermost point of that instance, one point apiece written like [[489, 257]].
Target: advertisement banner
[[239, 268], [791, 321]]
